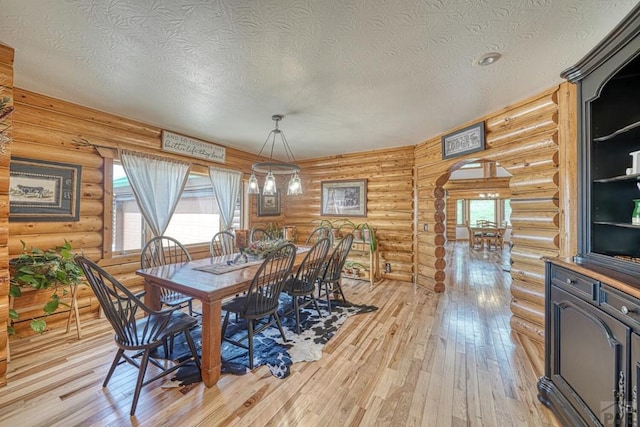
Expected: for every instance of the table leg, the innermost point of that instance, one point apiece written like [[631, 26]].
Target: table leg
[[211, 339], [152, 296]]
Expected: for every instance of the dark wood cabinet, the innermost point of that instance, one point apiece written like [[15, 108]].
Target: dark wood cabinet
[[593, 348], [592, 311], [609, 88]]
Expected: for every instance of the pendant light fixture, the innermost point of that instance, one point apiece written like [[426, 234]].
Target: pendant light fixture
[[275, 167]]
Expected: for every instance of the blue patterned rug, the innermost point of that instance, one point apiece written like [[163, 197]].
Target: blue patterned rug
[[269, 349]]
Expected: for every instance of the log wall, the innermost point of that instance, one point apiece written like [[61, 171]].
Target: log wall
[[524, 139], [390, 206], [50, 129], [6, 83]]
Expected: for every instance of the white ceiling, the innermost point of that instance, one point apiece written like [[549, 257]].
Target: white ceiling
[[349, 75]]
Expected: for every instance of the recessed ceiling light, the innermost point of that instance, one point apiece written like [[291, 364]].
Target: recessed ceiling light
[[488, 58]]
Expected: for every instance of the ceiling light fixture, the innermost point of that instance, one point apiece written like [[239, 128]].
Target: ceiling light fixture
[[275, 167], [489, 195], [488, 58]]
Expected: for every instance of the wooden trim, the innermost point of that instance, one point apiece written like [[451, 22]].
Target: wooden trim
[[568, 169]]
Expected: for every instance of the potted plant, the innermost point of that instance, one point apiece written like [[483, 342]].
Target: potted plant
[[353, 268], [50, 269]]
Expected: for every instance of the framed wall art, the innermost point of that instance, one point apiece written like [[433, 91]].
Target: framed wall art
[[463, 141], [344, 198], [43, 191], [269, 205]]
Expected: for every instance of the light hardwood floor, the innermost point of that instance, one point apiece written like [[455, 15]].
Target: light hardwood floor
[[422, 359]]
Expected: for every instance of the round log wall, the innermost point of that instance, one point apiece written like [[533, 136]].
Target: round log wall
[[6, 83], [50, 129], [390, 207], [524, 139]]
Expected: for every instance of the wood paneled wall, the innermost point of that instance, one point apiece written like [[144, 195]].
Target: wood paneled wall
[[390, 207], [50, 129], [6, 83], [524, 139]]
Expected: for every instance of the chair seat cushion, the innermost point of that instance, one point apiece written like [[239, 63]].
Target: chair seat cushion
[[238, 305]]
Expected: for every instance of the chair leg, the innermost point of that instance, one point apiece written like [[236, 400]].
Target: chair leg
[[192, 347], [224, 326], [284, 337], [315, 304], [296, 307], [250, 339], [143, 368], [116, 359], [341, 293], [326, 288]]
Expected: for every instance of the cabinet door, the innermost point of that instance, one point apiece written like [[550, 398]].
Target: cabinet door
[[589, 351], [634, 380]]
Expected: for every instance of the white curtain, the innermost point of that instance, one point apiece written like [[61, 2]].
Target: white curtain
[[226, 187], [157, 184]]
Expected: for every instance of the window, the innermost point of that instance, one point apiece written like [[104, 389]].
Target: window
[[127, 225], [195, 220], [506, 209], [481, 210], [460, 216]]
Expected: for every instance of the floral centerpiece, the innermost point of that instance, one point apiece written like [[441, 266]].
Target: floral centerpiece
[[261, 248]]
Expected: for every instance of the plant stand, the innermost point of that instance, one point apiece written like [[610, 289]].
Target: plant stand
[[360, 247], [73, 311]]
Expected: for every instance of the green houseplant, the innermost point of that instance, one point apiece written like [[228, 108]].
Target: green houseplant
[[42, 270]]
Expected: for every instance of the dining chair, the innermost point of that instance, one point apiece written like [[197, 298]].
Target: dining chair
[[141, 335], [259, 306], [331, 274], [302, 284], [317, 234], [222, 243], [163, 250], [475, 237], [258, 233]]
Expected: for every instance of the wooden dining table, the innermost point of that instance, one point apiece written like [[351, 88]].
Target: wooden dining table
[[485, 234], [210, 288]]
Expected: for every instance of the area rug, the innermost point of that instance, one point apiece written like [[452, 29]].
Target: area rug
[[269, 349]]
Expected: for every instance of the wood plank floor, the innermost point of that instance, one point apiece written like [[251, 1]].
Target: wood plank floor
[[422, 359]]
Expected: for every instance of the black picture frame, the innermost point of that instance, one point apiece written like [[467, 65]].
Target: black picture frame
[[463, 141], [269, 205], [344, 198], [43, 191]]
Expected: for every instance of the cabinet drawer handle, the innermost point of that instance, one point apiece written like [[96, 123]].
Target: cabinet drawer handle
[[571, 281], [625, 310]]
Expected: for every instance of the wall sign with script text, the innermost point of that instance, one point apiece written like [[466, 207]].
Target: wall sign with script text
[[463, 141], [180, 144]]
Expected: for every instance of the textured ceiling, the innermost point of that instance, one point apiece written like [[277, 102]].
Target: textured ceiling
[[348, 75]]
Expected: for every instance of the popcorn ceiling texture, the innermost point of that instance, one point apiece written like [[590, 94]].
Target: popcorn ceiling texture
[[348, 75]]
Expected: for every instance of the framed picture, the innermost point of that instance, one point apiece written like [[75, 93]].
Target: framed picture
[[463, 141], [344, 198], [269, 205], [43, 191]]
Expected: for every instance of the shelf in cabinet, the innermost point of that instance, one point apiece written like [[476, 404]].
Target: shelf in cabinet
[[617, 224], [632, 177], [617, 132]]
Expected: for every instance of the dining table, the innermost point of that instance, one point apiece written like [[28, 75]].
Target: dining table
[[208, 280], [487, 235]]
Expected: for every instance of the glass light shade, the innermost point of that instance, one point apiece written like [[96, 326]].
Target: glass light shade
[[269, 188], [253, 188], [295, 185]]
